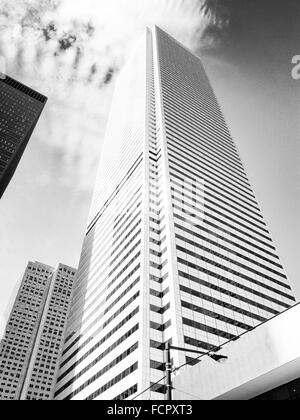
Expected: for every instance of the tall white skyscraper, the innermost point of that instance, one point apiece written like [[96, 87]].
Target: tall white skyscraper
[[176, 249], [31, 348]]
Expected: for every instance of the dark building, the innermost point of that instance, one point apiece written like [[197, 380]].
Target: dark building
[[20, 109], [286, 392]]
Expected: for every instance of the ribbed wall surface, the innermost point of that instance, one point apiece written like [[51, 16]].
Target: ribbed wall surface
[[103, 338], [229, 275], [176, 248]]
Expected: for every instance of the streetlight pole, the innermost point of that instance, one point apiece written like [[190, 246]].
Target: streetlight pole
[[169, 372], [168, 348]]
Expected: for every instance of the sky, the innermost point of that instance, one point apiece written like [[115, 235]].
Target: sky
[[73, 50]]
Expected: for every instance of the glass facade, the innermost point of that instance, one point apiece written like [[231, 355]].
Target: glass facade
[[176, 248], [20, 109]]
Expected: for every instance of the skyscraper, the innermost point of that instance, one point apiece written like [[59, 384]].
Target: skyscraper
[[44, 363], [20, 109], [22, 328], [176, 248], [32, 345]]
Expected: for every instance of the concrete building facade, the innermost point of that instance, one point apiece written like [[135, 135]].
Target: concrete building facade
[[176, 248], [31, 348]]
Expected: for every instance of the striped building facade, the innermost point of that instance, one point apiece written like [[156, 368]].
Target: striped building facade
[[176, 248]]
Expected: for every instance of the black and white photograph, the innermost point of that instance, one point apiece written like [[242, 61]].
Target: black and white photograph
[[150, 202]]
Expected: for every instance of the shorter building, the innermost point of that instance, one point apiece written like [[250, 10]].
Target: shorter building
[[31, 349], [20, 110], [262, 364]]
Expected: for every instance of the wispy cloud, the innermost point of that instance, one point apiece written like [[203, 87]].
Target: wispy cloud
[[71, 50]]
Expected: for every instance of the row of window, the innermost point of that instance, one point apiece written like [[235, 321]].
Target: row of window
[[95, 333], [113, 382], [109, 320], [95, 299], [132, 390], [234, 295], [112, 281], [184, 188], [225, 239], [96, 360], [215, 315], [205, 220], [178, 101], [200, 344], [209, 250], [194, 159], [82, 291], [24, 89], [101, 372], [214, 211], [203, 145], [207, 328], [78, 290], [242, 276], [209, 181], [106, 310], [125, 179], [212, 147]]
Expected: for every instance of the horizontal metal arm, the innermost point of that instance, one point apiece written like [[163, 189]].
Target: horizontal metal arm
[[186, 350]]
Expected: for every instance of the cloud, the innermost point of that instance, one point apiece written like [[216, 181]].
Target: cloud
[[71, 50]]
